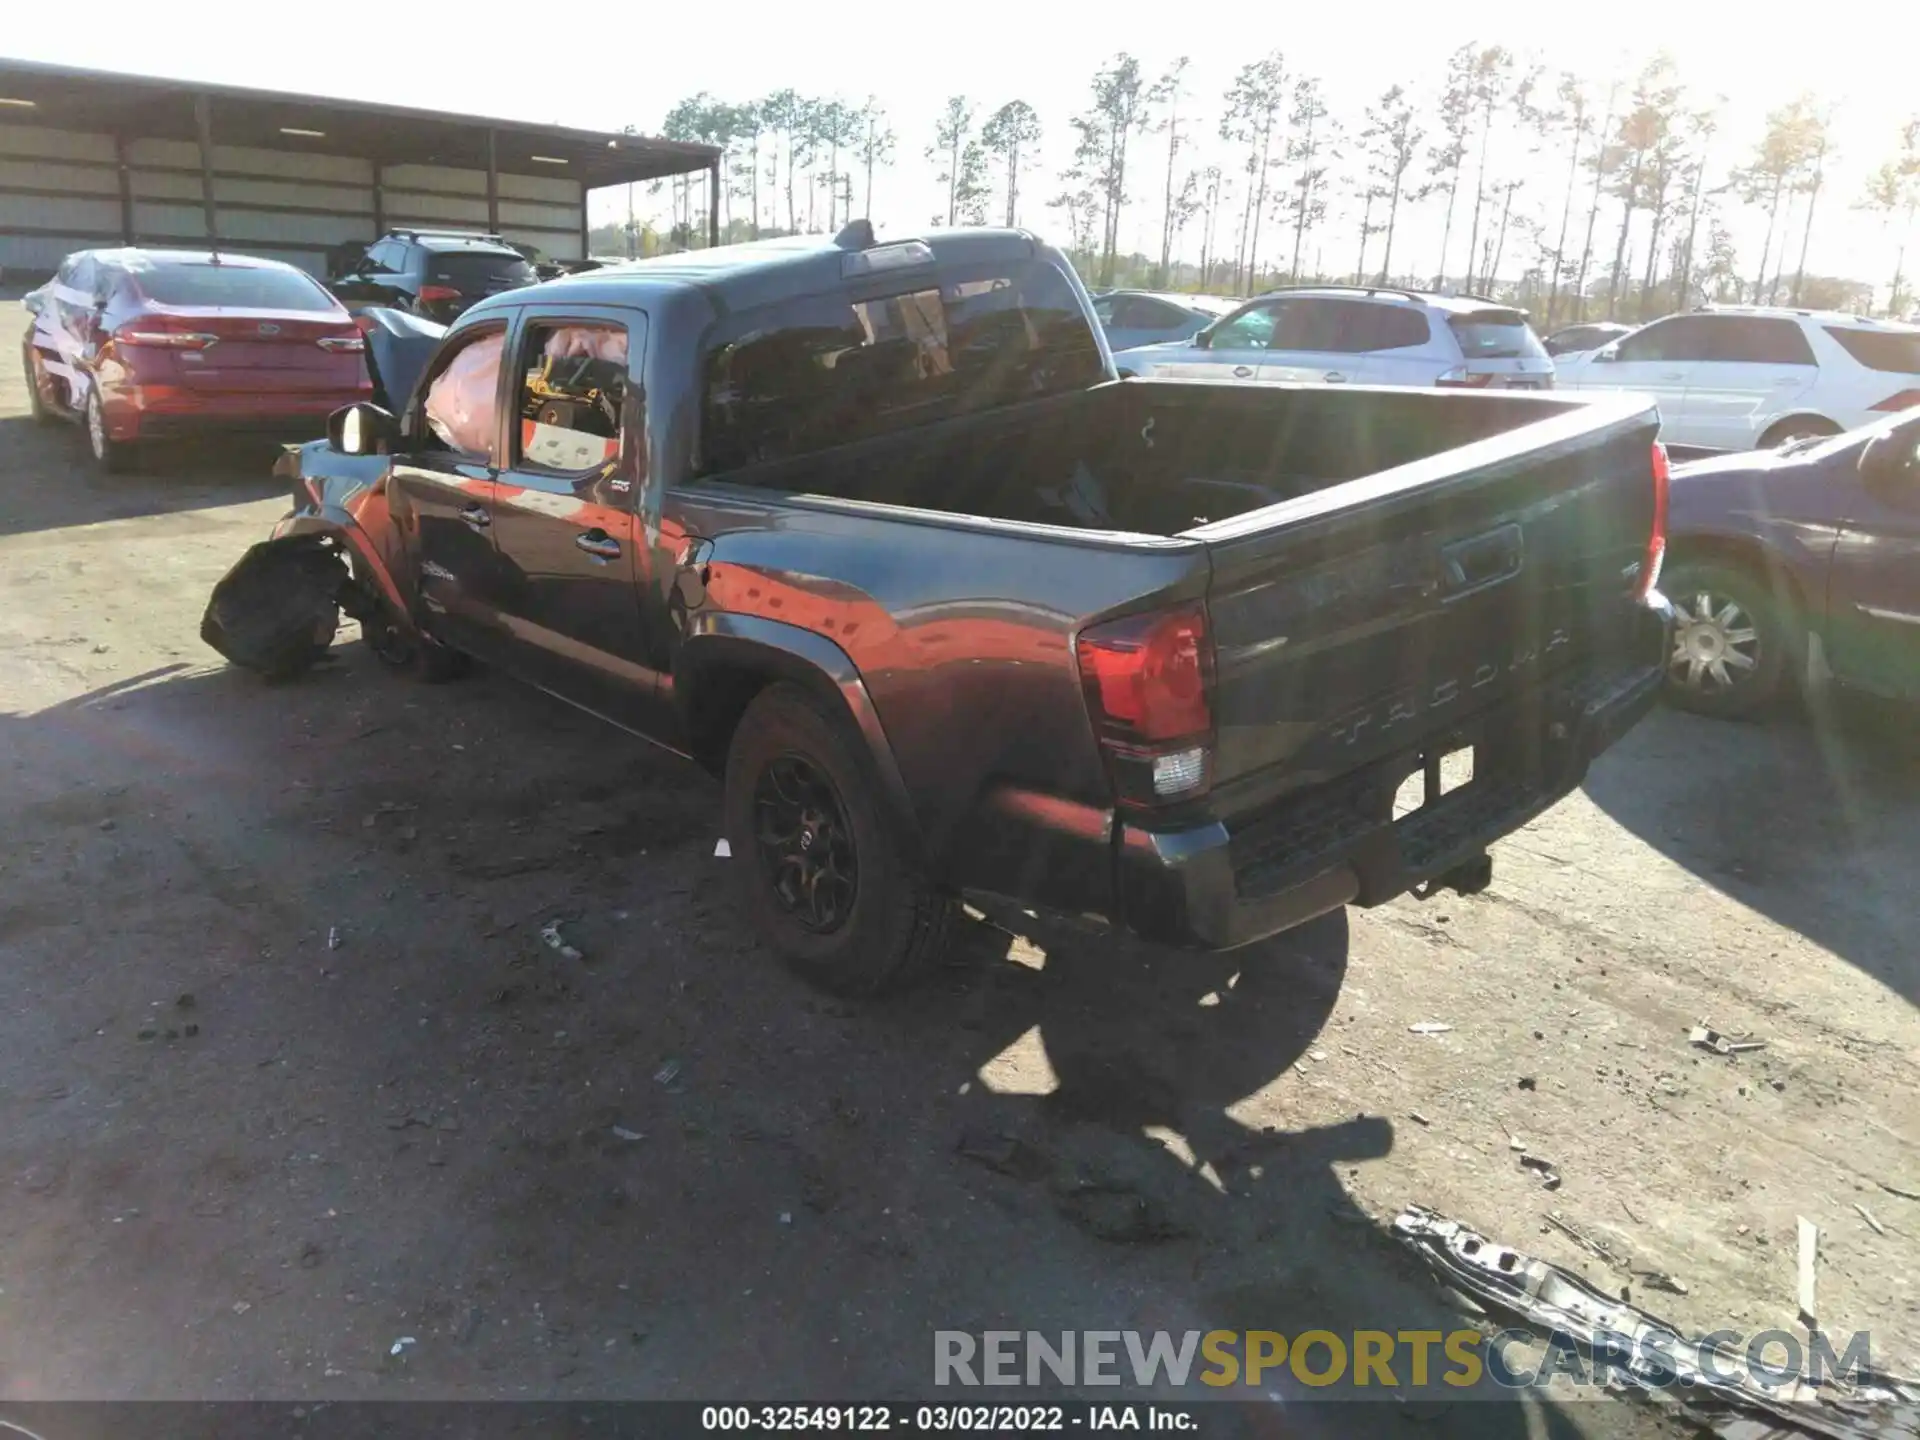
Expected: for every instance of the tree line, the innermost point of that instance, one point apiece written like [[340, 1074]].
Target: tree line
[[1579, 198]]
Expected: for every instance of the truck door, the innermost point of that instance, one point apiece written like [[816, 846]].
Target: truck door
[[572, 551], [1873, 593], [444, 486]]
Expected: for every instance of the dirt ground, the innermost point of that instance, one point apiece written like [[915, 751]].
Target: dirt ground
[[287, 1073]]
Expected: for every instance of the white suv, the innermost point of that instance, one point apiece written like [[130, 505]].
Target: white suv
[[1335, 334], [1742, 377]]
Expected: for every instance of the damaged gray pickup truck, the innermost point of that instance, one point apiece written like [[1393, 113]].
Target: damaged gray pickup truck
[[874, 533]]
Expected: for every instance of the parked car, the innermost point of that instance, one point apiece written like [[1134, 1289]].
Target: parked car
[[1800, 561], [144, 345], [1143, 317], [1739, 377], [1575, 339], [872, 532], [435, 274], [1340, 334]]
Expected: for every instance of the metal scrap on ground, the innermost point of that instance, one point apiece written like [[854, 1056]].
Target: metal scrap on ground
[[1809, 1250], [1655, 1353]]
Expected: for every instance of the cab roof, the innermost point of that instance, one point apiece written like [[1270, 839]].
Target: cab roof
[[735, 277]]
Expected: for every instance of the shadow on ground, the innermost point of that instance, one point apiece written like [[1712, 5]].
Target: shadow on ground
[[52, 481], [1770, 812], [664, 1168]]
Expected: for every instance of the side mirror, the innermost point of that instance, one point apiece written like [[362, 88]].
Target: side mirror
[[1891, 462], [1607, 353], [34, 301], [1204, 340], [362, 429]]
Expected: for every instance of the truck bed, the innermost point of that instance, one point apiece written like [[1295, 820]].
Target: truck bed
[[1158, 457]]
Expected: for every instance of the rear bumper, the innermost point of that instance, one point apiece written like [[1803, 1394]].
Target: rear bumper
[[169, 413], [1220, 885]]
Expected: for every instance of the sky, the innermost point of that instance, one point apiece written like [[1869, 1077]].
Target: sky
[[604, 67]]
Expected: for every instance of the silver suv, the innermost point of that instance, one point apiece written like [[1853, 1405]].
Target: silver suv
[[1360, 335]]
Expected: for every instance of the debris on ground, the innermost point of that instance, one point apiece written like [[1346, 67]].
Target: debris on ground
[[1418, 1118], [1896, 1190], [1585, 1242], [1006, 1154], [1429, 1027], [1809, 1253], [1705, 1037], [401, 1344], [1867, 1215], [333, 937], [722, 851], [620, 1132], [1544, 1168], [1646, 1353], [1527, 1082], [667, 1073], [551, 937]]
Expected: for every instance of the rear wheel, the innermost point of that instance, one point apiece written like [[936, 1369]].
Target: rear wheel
[[820, 865], [1806, 427], [116, 457], [39, 387], [1730, 642]]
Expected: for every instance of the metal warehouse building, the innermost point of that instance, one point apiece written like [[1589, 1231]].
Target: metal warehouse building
[[91, 159]]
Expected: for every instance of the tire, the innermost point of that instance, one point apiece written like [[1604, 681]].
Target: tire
[[37, 405], [861, 920], [114, 457], [1806, 427], [1731, 643]]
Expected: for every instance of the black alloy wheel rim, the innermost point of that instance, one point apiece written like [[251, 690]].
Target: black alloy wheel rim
[[806, 844]]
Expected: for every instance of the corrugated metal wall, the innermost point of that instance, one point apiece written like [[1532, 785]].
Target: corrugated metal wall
[[60, 192]]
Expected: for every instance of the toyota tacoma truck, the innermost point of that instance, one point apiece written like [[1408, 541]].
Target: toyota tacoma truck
[[875, 533]]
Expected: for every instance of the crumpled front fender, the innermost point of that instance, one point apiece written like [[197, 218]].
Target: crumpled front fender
[[346, 497]]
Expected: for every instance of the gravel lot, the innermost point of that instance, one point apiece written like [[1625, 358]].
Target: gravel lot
[[287, 1073]]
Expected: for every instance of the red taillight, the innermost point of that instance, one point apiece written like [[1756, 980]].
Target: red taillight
[[136, 333], [1461, 378], [1146, 679], [1649, 577], [1905, 400], [429, 294]]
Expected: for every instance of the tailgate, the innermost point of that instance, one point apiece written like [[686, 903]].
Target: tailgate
[[1366, 619]]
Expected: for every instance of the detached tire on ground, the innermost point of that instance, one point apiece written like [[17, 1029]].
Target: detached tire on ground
[[1731, 641], [816, 857], [275, 612]]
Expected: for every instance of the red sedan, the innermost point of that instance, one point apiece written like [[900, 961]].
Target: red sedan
[[142, 345]]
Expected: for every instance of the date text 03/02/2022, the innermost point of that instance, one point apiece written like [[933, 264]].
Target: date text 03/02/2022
[[989, 1419]]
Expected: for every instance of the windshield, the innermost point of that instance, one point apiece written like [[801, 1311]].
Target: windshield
[[239, 287], [1495, 335]]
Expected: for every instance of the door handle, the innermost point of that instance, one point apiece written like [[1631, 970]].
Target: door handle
[[1673, 375], [598, 544], [477, 517], [1241, 372], [1333, 377]]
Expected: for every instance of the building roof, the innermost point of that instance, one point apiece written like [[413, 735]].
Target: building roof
[[71, 98]]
